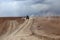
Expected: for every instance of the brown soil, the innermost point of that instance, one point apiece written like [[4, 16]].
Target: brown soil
[[4, 23], [39, 27], [51, 26]]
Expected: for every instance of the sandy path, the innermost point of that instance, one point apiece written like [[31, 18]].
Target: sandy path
[[22, 33]]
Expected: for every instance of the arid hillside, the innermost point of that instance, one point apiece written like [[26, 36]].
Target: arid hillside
[[47, 26], [18, 19], [6, 21], [36, 28]]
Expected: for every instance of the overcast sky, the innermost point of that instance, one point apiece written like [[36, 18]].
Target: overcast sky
[[29, 7]]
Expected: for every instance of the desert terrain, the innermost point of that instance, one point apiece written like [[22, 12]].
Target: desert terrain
[[35, 28]]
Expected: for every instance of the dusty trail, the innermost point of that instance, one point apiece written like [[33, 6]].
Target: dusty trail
[[20, 28], [20, 31], [12, 25]]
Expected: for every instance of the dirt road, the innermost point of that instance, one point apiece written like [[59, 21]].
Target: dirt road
[[21, 33]]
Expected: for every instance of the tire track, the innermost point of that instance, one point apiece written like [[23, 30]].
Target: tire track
[[20, 27]]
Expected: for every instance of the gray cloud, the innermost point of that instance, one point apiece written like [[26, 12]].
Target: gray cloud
[[18, 8], [29, 7], [54, 7], [19, 0]]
